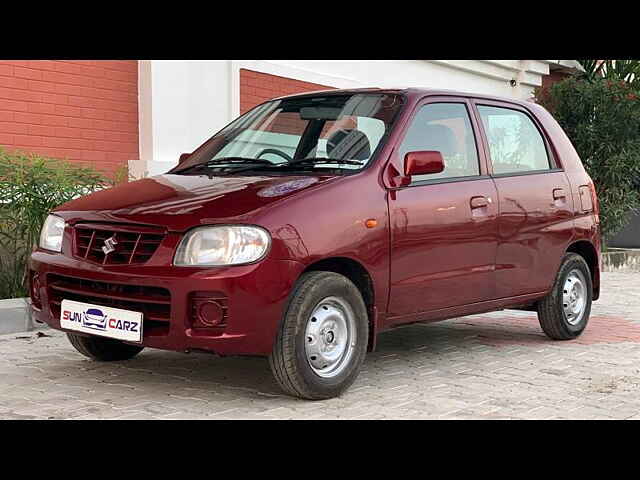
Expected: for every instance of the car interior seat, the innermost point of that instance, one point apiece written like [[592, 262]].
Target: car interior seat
[[348, 144], [441, 138]]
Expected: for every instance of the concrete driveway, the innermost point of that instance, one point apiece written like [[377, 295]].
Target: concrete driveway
[[493, 366]]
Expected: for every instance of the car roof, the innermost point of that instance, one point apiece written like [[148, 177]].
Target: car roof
[[411, 92]]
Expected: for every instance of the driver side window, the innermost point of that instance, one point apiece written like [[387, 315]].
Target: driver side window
[[446, 128]]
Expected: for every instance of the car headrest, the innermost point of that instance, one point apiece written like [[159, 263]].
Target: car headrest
[[348, 143], [440, 138]]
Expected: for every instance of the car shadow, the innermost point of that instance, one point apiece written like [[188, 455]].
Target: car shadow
[[412, 346]]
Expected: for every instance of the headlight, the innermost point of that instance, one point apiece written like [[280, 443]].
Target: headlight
[[51, 234], [223, 245]]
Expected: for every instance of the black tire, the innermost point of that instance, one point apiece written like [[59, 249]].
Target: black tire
[[288, 359], [551, 315], [103, 349]]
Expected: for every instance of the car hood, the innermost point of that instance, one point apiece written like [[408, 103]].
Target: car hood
[[179, 202]]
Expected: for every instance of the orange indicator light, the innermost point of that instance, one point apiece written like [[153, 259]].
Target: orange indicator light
[[372, 222]]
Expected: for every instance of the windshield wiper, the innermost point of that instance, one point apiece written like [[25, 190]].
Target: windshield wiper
[[314, 160], [300, 161], [231, 160], [259, 164]]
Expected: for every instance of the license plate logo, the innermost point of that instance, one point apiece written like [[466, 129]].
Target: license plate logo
[[94, 318], [103, 321]]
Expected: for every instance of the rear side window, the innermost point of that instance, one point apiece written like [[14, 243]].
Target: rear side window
[[515, 143], [446, 128]]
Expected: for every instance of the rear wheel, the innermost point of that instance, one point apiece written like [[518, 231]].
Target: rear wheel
[[322, 341], [564, 313], [103, 349]]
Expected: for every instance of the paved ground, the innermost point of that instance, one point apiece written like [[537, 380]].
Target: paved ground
[[497, 366]]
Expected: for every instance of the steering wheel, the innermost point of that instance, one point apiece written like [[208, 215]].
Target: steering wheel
[[275, 152]]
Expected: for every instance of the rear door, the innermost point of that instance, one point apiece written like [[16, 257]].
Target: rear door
[[535, 221]]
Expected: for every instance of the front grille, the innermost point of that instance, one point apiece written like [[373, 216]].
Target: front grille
[[153, 302], [128, 245]]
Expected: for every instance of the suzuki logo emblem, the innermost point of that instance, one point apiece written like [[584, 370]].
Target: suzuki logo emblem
[[109, 245]]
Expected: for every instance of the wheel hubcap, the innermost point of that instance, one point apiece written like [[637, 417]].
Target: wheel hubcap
[[330, 337], [574, 297]]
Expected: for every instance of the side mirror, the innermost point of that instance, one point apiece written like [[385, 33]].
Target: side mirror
[[183, 157], [423, 163]]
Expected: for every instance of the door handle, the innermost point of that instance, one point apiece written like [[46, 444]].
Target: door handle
[[479, 202], [558, 193]]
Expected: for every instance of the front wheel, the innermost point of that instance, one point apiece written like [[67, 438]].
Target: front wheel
[[564, 313], [103, 349], [322, 341]]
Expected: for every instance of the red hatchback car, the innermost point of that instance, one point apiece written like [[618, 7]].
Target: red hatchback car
[[314, 222]]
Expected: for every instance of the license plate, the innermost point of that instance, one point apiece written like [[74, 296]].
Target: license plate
[[104, 321]]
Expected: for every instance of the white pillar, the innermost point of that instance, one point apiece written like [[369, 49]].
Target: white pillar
[[180, 104]]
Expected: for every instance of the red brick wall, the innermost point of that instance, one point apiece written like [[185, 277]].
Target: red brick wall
[[84, 111], [256, 87], [553, 77]]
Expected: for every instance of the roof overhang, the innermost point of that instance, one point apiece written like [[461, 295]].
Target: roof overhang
[[564, 66]]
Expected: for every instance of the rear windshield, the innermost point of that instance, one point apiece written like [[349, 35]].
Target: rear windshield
[[328, 131]]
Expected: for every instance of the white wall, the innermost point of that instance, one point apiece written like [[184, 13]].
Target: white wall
[[182, 103], [189, 101]]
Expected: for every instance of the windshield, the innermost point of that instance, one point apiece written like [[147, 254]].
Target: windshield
[[312, 132]]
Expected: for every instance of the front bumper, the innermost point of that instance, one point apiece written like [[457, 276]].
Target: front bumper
[[255, 299]]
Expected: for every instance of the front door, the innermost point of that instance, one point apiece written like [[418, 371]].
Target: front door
[[443, 226]]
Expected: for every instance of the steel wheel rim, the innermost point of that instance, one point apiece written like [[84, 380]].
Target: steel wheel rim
[[574, 297], [330, 337]]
